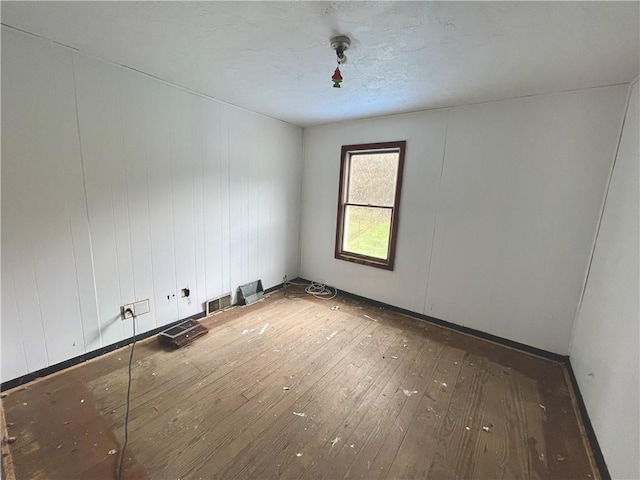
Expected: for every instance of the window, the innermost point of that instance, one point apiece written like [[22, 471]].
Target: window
[[369, 197]]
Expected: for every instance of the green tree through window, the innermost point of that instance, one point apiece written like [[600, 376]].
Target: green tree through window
[[370, 181]]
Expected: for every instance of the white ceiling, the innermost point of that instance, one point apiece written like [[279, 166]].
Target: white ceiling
[[274, 57]]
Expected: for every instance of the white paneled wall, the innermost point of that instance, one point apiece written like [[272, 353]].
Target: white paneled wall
[[606, 337], [498, 212], [521, 189], [44, 231], [117, 187]]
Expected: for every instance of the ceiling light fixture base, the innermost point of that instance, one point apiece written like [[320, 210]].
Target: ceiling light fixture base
[[341, 41], [341, 44]]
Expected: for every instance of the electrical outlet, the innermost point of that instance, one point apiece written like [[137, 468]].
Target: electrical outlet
[[139, 307], [125, 311]]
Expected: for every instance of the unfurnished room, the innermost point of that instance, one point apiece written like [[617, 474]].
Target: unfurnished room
[[320, 240]]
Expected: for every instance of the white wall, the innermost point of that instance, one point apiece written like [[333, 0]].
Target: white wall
[[498, 213], [605, 343], [117, 187]]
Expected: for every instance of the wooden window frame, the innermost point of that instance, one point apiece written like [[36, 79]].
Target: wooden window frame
[[347, 152]]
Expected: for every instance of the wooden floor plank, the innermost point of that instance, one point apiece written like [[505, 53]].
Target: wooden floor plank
[[6, 470], [332, 361], [333, 461], [212, 379], [217, 409], [382, 420], [562, 433], [535, 419], [327, 413], [415, 453], [330, 462], [192, 424], [515, 415], [492, 450], [462, 425], [187, 366]]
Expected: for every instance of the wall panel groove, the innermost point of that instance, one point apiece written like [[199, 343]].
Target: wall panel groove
[[117, 187], [516, 200]]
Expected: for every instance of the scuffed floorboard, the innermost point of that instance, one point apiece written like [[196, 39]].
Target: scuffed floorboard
[[8, 472], [290, 388]]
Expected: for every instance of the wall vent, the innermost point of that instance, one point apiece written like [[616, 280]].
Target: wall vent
[[250, 292], [219, 303]]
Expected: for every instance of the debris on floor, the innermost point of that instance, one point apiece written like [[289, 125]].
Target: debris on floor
[[335, 307], [300, 414], [112, 451], [298, 454], [371, 318], [486, 429], [263, 328], [408, 393], [560, 458], [332, 335], [542, 407], [334, 441], [285, 388]]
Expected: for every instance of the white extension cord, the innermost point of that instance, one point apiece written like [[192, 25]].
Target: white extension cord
[[317, 289]]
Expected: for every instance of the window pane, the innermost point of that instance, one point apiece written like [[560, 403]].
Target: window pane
[[372, 178], [366, 231]]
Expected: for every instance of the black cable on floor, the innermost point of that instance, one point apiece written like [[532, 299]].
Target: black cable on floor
[[126, 418]]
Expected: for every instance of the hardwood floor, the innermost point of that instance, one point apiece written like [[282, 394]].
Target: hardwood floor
[[358, 392]]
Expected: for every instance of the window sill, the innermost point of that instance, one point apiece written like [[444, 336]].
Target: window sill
[[364, 260]]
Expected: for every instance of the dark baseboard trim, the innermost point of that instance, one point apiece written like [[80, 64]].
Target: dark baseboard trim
[[16, 382], [459, 328], [274, 288], [591, 436], [563, 359], [586, 421]]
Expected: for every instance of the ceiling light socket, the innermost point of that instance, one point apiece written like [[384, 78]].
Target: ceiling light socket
[[343, 42]]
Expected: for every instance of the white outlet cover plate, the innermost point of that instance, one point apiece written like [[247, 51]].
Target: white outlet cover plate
[[141, 307]]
